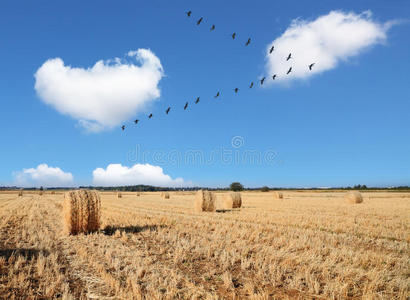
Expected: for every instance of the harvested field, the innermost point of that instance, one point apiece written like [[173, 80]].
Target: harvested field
[[307, 245]]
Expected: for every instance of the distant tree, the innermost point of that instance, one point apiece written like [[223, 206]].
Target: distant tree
[[236, 187], [264, 189], [41, 188]]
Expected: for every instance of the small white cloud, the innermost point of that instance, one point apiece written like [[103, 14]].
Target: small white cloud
[[118, 175], [44, 176], [105, 95], [325, 41]]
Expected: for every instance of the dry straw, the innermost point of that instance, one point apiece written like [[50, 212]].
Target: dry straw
[[20, 193], [232, 200], [41, 193], [82, 211], [165, 195], [119, 195], [278, 195], [52, 192], [354, 197], [205, 201], [138, 194]]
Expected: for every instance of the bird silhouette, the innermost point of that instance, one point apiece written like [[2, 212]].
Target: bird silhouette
[[311, 66], [262, 80], [290, 70], [197, 100], [188, 13], [289, 56], [274, 77], [251, 86], [168, 109], [217, 95], [150, 116], [213, 27], [123, 127], [186, 106], [248, 42], [271, 49], [199, 21], [234, 35], [136, 121], [236, 90]]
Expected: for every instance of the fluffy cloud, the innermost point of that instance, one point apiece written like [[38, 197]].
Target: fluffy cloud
[[105, 95], [43, 175], [118, 175], [325, 41]]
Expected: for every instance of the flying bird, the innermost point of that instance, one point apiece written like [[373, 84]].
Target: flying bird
[[150, 116], [199, 21], [236, 90], [248, 42], [136, 121], [197, 100], [289, 56], [213, 27], [274, 77], [271, 49], [233, 35], [290, 70], [262, 80], [186, 106], [311, 66], [251, 86], [123, 127], [217, 95], [188, 13], [168, 109]]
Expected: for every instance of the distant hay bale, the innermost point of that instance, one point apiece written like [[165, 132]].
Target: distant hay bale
[[354, 197], [119, 195], [52, 192], [165, 195], [278, 195], [82, 211], [205, 201], [138, 194], [41, 193], [232, 200], [20, 193]]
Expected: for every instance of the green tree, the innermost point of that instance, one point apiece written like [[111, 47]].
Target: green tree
[[265, 189], [236, 187]]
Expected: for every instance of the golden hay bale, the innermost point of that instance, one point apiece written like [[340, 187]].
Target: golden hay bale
[[205, 201], [165, 195], [138, 194], [278, 195], [20, 193], [119, 195], [52, 192], [82, 211], [232, 200], [354, 197], [41, 193]]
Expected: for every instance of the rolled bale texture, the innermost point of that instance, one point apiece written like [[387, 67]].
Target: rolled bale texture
[[205, 201], [165, 195], [278, 195], [82, 211], [119, 195], [20, 193], [232, 200], [354, 197]]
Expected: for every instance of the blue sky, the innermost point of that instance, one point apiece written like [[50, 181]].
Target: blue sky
[[343, 126]]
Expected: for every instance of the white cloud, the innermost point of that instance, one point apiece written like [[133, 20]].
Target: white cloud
[[105, 95], [325, 41], [118, 175], [43, 175]]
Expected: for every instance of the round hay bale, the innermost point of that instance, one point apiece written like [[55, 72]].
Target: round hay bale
[[232, 200], [52, 192], [82, 211], [165, 195], [278, 195], [20, 193], [138, 194], [354, 197], [205, 201], [119, 195], [41, 193]]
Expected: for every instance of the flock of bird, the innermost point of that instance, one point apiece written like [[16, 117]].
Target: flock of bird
[[236, 90]]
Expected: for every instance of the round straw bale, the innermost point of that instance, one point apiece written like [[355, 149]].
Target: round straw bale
[[40, 193], [165, 195], [278, 195], [232, 200], [138, 194], [205, 201], [20, 193], [119, 195], [353, 197], [52, 192], [82, 211]]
